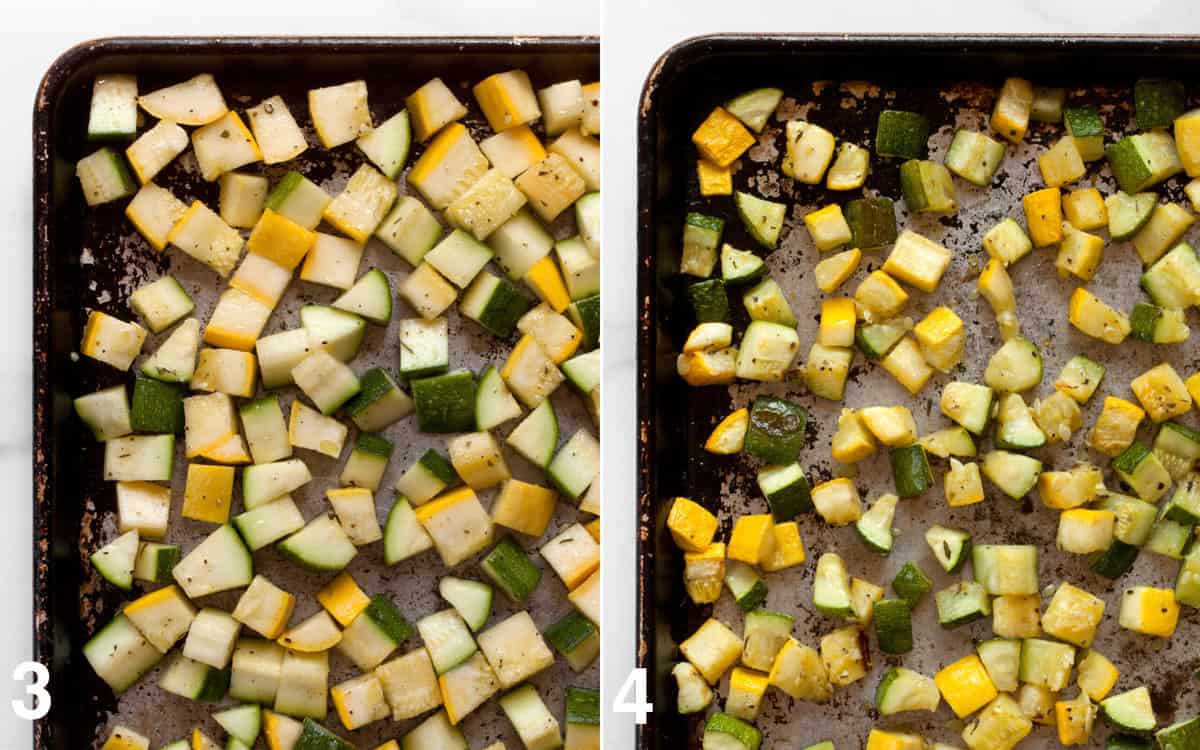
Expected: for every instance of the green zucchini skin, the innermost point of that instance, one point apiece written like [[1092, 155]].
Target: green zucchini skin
[[910, 470], [893, 626], [872, 222], [709, 301], [901, 134], [777, 430]]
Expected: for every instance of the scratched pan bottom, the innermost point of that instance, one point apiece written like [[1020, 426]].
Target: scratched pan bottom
[[842, 84], [93, 259]]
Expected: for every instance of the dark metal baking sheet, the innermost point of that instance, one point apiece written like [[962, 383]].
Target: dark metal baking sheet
[[841, 83], [94, 259]]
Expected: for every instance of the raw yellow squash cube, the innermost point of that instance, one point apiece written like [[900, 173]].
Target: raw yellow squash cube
[[332, 261], [264, 608], [241, 198], [704, 573], [853, 441], [507, 100], [231, 450], [1116, 427], [965, 685], [917, 260], [828, 227], [448, 167], [833, 271], [714, 179], [581, 152], [1149, 610], [593, 527], [843, 657], [155, 149], [279, 239], [963, 484], [261, 278], [906, 364], [752, 539], [153, 212], [123, 738], [208, 494], [1073, 615], [545, 279], [1085, 209], [359, 209], [893, 426], [236, 323], [940, 335], [837, 501], [513, 151], [360, 701], [789, 548], [1096, 318], [880, 297], [478, 460], [722, 138], [692, 525], [572, 554], [1017, 616], [111, 340], [1074, 719], [223, 146], [1187, 141], [729, 436], [427, 291], [1166, 226], [746, 691], [1001, 726], [163, 617], [1097, 675], [1162, 392], [879, 739], [458, 525], [202, 234], [432, 107], [712, 649], [275, 130], [838, 318], [524, 507], [1043, 216], [530, 373], [343, 599], [1061, 164], [209, 420], [1010, 116], [487, 204], [555, 334], [1079, 254], [551, 186], [340, 113]]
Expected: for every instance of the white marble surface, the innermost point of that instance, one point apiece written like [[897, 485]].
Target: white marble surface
[[636, 33], [32, 36]]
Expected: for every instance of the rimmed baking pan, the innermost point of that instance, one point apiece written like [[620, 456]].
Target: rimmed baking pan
[[93, 259], [841, 83]]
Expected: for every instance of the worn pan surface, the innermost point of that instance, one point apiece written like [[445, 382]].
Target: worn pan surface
[[842, 83], [92, 259]]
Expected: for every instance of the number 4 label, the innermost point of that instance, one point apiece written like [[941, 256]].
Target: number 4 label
[[41, 698], [631, 697]]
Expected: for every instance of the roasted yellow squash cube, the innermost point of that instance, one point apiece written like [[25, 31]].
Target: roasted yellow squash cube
[[722, 138], [940, 335], [1116, 426], [1074, 719], [1084, 209], [837, 501], [917, 260], [789, 548], [880, 297], [712, 649], [1017, 616], [963, 484], [1149, 610], [752, 539], [843, 654], [833, 271], [692, 525], [828, 227], [1073, 615], [965, 685], [1010, 116], [714, 179], [1061, 164], [853, 441], [907, 365], [704, 573], [729, 436], [746, 691], [995, 286], [1043, 216], [1162, 392], [1064, 490], [1001, 726], [1093, 316], [1082, 531], [838, 318], [1097, 675], [1079, 254]]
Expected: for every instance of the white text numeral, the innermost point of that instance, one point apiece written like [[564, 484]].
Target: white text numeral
[[41, 698], [631, 698]]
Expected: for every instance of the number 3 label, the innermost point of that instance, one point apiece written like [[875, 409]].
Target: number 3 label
[[631, 697], [41, 698]]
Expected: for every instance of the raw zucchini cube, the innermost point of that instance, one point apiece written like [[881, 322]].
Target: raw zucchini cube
[[561, 105], [135, 458], [332, 261], [436, 731], [144, 507], [113, 111], [299, 199], [446, 403], [427, 292], [303, 680], [410, 229], [355, 509], [374, 634], [583, 153], [242, 198]]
